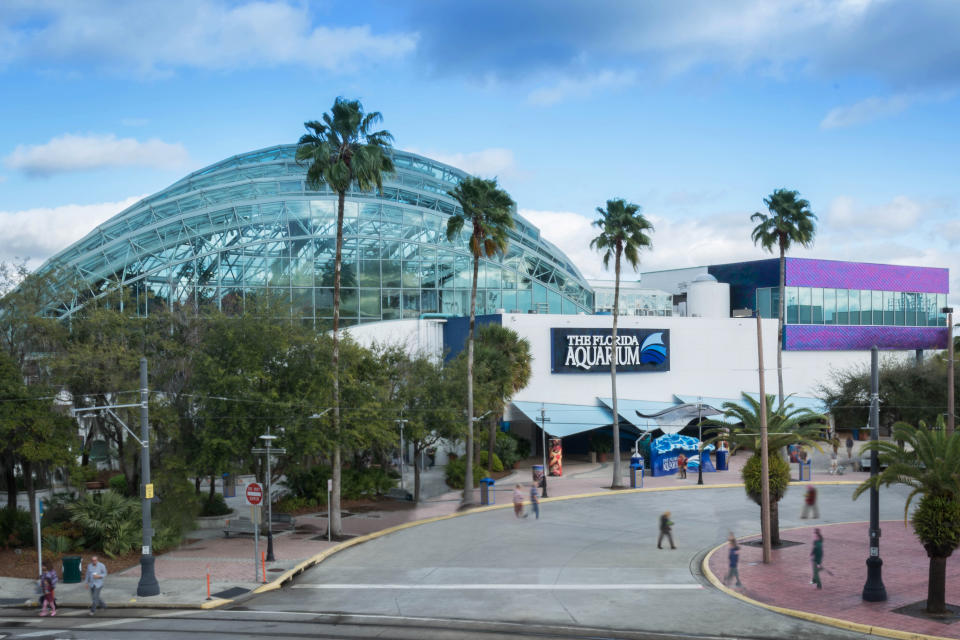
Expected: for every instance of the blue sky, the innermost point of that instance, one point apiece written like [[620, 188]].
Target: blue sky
[[696, 110]]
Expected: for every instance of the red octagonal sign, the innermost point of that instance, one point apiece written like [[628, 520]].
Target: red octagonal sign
[[254, 494]]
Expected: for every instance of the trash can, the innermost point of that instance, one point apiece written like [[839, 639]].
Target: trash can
[[636, 469], [486, 491], [722, 460], [71, 569]]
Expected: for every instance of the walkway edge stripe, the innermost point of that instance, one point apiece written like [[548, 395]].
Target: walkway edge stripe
[[806, 615]]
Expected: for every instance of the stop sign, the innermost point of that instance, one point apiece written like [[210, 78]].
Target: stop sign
[[254, 494]]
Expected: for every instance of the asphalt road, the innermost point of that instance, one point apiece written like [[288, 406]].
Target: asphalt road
[[587, 569]]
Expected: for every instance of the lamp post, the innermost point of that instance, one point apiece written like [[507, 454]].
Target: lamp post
[[950, 409], [700, 425], [269, 451], [873, 590], [401, 422]]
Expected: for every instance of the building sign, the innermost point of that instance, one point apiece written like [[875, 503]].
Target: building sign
[[590, 350]]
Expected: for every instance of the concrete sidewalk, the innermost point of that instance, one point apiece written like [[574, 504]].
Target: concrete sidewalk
[[784, 585], [233, 572]]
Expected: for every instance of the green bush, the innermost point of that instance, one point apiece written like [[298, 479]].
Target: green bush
[[16, 530], [215, 505], [779, 477], [110, 521], [497, 465], [457, 472], [119, 484], [507, 448]]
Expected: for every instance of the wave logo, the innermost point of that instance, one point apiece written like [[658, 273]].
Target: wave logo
[[653, 350]]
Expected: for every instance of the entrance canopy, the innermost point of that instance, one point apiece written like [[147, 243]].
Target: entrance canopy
[[566, 419]]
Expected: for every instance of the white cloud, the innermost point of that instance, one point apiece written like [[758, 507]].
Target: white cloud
[[898, 215], [866, 111], [41, 232], [486, 163], [159, 36], [580, 87], [71, 152]]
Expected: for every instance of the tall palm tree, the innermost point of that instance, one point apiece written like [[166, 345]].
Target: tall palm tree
[[786, 425], [488, 210], [788, 221], [342, 151], [623, 233], [929, 464]]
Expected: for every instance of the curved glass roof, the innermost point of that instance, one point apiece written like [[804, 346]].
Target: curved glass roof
[[249, 223]]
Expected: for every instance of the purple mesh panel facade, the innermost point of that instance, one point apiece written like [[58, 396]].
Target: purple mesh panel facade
[[806, 272], [811, 337]]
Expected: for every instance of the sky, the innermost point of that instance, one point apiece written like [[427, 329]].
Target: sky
[[695, 110]]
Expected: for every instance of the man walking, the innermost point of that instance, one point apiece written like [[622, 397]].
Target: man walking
[[96, 572], [665, 530]]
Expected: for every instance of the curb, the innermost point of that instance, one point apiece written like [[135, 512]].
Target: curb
[[806, 615]]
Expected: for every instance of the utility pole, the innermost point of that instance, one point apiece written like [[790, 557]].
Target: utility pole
[[269, 452], [951, 419], [543, 432], [764, 454], [873, 590]]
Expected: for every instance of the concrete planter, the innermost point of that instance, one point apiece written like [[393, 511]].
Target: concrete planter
[[214, 522]]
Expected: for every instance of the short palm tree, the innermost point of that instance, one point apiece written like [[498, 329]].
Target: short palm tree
[[788, 221], [928, 463], [343, 151], [488, 210], [623, 233], [786, 425]]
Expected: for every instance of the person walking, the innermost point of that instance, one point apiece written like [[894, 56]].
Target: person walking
[[849, 446], [517, 501], [534, 501], [682, 465], [666, 528], [810, 503], [48, 582], [733, 555], [96, 573], [816, 557]]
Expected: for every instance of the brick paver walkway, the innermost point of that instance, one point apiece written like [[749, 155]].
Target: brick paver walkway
[[786, 581]]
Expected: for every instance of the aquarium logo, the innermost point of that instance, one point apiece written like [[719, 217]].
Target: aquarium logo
[[653, 350]]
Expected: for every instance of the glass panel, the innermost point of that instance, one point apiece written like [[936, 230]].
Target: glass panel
[[877, 307], [793, 312], [829, 306], [763, 303]]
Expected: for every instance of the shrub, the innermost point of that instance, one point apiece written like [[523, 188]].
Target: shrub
[[779, 477], [110, 521], [507, 447], [215, 505], [16, 530], [118, 483], [457, 472], [497, 465]]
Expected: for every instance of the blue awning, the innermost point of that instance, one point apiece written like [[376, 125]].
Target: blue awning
[[566, 419]]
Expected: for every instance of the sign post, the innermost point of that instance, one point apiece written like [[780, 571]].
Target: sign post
[[254, 496]]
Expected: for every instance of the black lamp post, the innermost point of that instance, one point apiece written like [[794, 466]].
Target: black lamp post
[[873, 590]]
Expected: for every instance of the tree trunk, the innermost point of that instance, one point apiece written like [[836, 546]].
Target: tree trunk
[[937, 585], [468, 497], [615, 484], [774, 523], [333, 509], [783, 271]]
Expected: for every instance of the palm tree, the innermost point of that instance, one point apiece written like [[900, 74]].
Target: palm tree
[[787, 425], [489, 212], [342, 151], [789, 221], [929, 464], [623, 232]]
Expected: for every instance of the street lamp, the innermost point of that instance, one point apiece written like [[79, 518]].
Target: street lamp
[[950, 409], [700, 425], [401, 422]]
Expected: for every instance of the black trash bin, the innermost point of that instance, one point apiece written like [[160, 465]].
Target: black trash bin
[[71, 569], [486, 491], [722, 460]]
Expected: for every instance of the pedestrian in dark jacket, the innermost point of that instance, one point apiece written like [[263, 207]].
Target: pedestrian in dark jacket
[[816, 557], [666, 527]]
